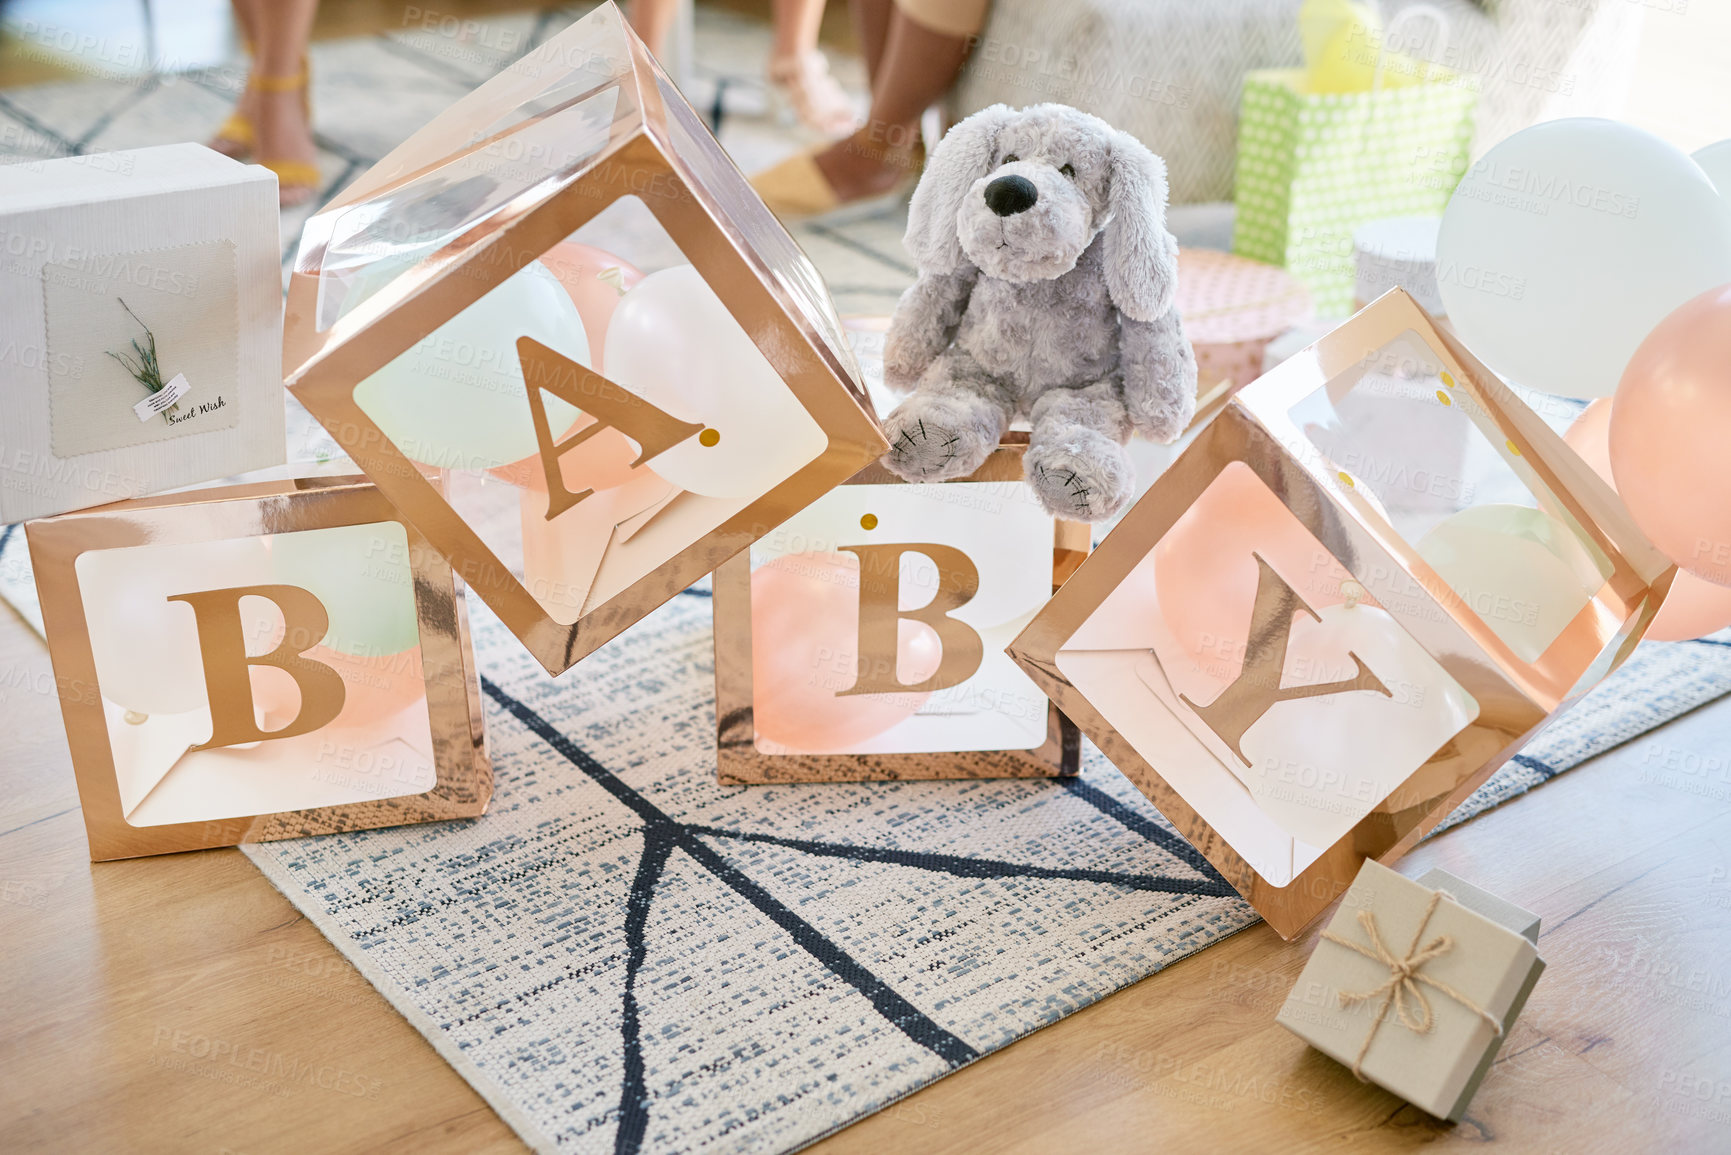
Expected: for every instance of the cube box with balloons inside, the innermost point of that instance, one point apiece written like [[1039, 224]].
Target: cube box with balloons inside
[[1351, 598], [864, 638], [584, 360], [1590, 259], [258, 661], [580, 365]]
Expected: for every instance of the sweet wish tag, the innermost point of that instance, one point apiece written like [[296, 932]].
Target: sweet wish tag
[[163, 399]]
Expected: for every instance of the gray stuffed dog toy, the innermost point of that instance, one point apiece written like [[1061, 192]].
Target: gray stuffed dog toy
[[1045, 292]]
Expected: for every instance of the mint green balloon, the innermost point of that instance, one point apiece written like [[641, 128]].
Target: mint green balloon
[[362, 575], [456, 398]]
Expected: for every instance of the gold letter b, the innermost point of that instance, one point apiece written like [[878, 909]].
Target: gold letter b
[[880, 617], [222, 643]]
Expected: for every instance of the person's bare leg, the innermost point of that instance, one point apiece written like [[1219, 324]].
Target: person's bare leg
[[653, 21], [919, 64], [800, 73], [279, 56], [871, 25], [246, 104], [796, 24]]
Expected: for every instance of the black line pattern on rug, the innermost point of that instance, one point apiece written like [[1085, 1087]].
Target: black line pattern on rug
[[847, 241], [1545, 771], [59, 140], [1167, 840], [663, 834], [963, 867]]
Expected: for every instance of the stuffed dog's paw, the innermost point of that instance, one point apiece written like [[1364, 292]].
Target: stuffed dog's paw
[[1082, 476], [934, 437]]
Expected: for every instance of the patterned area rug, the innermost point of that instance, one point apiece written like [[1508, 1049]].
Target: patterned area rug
[[624, 956]]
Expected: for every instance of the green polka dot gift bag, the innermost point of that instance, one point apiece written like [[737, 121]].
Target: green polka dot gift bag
[[1314, 166]]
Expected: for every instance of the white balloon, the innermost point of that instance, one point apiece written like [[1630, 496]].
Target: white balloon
[[145, 646], [456, 399], [1566, 243], [672, 342], [1520, 570], [1715, 161]]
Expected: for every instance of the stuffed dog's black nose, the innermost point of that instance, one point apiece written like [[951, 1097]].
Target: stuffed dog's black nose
[[1009, 195]]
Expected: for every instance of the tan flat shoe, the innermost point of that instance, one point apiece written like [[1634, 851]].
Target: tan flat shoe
[[796, 189]]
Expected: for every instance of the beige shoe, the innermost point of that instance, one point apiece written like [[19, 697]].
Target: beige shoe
[[796, 188]]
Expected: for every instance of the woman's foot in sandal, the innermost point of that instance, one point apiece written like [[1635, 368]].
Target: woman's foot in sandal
[[859, 171], [874, 160], [802, 85], [235, 137], [285, 138]]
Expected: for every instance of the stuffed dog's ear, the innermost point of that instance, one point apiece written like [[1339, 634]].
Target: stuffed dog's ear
[[961, 158], [1141, 256]]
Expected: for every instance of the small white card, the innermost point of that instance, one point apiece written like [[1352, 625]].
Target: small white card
[[164, 398]]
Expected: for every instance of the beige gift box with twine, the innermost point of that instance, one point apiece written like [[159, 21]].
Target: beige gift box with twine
[[1414, 985]]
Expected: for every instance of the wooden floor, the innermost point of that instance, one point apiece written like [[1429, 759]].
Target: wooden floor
[[169, 1004]]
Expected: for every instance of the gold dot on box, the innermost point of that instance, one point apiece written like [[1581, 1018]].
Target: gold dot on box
[[1345, 478], [1513, 448], [709, 438], [1443, 397], [869, 521], [1448, 380]]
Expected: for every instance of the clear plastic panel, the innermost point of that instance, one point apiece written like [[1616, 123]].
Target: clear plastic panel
[[681, 424], [371, 244], [757, 226], [372, 741], [1410, 442]]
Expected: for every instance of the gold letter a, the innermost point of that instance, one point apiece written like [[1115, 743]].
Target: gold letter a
[[610, 404]]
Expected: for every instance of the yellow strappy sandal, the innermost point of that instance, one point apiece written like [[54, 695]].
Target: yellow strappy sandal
[[292, 175], [234, 137]]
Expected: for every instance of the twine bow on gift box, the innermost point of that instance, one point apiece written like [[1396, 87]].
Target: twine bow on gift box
[[1402, 989]]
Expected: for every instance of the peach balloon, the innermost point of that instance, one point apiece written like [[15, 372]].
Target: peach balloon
[[1205, 569], [596, 280], [1693, 607], [1669, 426], [375, 688], [805, 650]]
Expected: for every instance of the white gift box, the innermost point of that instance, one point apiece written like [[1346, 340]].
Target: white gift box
[[1432, 1038], [95, 250]]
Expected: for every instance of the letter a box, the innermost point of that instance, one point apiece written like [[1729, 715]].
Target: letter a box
[[560, 332]]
